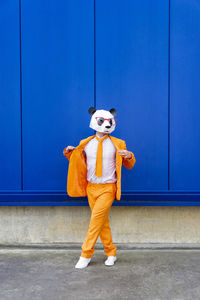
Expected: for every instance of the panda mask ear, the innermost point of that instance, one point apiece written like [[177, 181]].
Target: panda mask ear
[[91, 110], [113, 111]]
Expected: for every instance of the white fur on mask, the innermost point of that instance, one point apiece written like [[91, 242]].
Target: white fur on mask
[[102, 128]]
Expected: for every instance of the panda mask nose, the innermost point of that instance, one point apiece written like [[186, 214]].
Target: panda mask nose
[[107, 126]]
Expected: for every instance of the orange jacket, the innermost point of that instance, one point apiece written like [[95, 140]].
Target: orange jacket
[[77, 171]]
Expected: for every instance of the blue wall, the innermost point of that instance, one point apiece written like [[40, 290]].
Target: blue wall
[[58, 60]]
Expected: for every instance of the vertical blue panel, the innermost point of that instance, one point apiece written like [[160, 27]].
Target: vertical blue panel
[[132, 76], [10, 125], [185, 95], [57, 73]]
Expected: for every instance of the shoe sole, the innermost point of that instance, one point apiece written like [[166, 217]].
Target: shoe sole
[[82, 267]]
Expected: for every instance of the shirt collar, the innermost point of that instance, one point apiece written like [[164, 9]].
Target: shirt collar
[[102, 136]]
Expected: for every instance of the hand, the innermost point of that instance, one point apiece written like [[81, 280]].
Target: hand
[[125, 153], [68, 149]]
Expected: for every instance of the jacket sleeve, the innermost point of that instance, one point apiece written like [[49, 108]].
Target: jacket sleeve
[[128, 162]]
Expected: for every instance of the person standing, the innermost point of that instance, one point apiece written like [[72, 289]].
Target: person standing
[[95, 171]]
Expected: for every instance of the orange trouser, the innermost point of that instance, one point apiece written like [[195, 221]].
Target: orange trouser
[[100, 198]]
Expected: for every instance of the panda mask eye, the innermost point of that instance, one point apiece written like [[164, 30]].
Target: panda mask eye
[[111, 122], [100, 121]]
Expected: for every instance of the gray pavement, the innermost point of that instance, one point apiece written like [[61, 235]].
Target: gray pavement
[[137, 274]]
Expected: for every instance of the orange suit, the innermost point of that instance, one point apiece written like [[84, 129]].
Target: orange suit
[[100, 196]]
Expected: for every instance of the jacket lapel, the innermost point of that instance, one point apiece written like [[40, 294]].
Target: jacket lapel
[[118, 157], [83, 143]]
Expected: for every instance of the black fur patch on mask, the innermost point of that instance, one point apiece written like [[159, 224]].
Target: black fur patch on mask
[[113, 111], [91, 110]]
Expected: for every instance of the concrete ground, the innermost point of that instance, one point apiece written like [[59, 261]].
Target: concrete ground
[[137, 274]]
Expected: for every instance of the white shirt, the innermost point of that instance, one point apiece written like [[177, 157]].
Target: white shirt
[[108, 164]]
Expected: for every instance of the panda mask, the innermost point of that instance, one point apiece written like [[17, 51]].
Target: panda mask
[[102, 120]]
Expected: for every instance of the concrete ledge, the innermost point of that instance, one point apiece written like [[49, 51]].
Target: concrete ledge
[[98, 246], [147, 227]]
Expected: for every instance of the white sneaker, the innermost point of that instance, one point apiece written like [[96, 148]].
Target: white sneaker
[[110, 260], [82, 263]]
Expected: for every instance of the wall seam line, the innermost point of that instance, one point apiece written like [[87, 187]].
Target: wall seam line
[[169, 107], [94, 54], [20, 68]]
